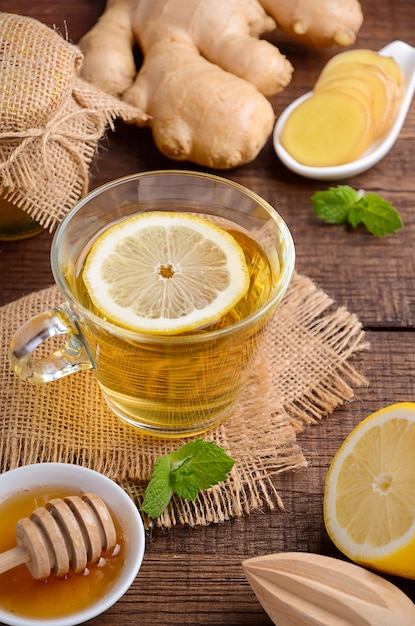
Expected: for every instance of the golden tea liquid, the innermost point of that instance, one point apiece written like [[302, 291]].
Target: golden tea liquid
[[53, 597], [185, 383]]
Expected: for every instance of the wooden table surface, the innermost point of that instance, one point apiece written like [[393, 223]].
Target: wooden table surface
[[194, 576]]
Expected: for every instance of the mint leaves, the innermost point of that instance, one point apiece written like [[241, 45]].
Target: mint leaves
[[195, 466], [345, 205]]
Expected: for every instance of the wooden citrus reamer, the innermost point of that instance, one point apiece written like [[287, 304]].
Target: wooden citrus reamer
[[305, 589], [64, 534]]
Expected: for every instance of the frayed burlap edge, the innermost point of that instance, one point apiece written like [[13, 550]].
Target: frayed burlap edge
[[303, 373]]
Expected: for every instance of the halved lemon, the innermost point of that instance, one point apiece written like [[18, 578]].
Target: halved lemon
[[165, 272], [369, 498]]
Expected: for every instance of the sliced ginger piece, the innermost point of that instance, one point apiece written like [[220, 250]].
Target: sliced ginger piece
[[391, 72], [369, 57], [329, 128], [383, 86], [355, 86]]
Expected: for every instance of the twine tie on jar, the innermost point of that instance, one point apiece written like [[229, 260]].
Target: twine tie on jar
[[52, 131]]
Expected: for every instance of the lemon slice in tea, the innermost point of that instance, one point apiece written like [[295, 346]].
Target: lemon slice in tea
[[165, 272], [369, 499]]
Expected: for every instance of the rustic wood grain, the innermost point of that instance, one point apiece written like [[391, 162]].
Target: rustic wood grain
[[194, 576]]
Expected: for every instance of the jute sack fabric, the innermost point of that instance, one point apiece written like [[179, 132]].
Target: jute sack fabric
[[304, 371], [50, 120]]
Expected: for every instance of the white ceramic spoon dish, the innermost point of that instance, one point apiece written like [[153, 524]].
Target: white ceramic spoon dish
[[405, 56]]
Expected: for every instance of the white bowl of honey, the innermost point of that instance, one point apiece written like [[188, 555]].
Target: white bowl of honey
[[73, 597]]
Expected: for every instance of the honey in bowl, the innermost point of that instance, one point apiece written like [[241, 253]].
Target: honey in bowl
[[53, 597]]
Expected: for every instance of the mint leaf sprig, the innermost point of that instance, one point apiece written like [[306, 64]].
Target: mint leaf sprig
[[345, 205], [195, 466]]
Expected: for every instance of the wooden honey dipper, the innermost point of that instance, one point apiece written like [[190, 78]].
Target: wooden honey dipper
[[64, 534]]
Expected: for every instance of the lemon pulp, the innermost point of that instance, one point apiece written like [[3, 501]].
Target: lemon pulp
[[165, 272]]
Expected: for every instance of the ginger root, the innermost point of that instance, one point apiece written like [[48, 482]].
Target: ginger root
[[206, 74], [318, 23]]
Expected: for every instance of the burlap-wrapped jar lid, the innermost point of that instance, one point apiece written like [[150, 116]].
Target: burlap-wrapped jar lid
[[50, 119]]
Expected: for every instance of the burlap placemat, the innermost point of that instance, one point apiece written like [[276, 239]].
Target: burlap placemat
[[304, 372]]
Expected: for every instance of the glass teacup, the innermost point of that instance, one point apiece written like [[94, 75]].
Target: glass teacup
[[175, 385]]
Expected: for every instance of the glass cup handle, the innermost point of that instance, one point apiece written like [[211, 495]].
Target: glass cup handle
[[71, 357]]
